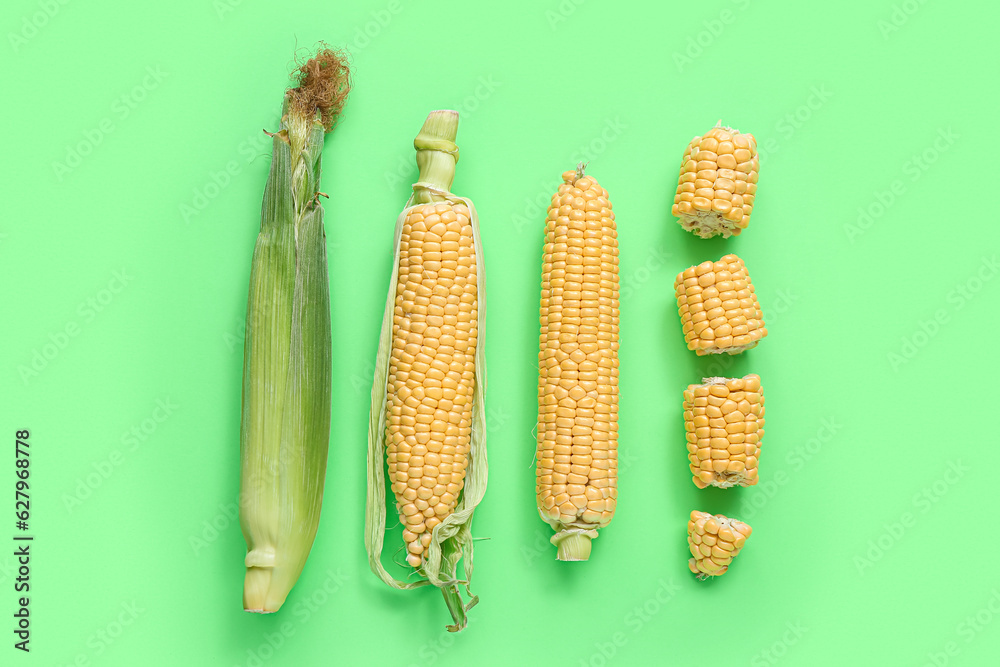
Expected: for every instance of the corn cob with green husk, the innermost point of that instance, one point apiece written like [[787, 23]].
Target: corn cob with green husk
[[285, 429], [428, 418]]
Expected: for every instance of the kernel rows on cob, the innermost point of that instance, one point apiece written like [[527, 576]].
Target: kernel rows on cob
[[724, 420], [577, 450], [717, 183], [718, 308], [714, 542], [428, 417], [432, 369]]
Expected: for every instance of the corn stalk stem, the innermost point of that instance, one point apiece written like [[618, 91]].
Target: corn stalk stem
[[458, 609], [574, 547], [437, 155]]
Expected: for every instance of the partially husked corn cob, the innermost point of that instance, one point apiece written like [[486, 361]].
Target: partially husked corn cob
[[724, 420], [577, 452], [714, 542], [432, 369], [427, 414], [718, 308], [717, 183], [285, 425]]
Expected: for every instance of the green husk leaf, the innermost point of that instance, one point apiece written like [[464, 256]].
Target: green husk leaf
[[285, 425]]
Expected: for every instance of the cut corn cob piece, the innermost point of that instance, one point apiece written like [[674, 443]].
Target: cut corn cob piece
[[724, 420], [428, 417], [718, 308], [717, 183], [577, 453], [714, 542], [285, 427]]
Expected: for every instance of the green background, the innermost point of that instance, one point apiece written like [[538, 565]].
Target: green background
[[124, 273]]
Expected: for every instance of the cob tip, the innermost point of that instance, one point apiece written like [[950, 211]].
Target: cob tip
[[324, 81], [714, 540]]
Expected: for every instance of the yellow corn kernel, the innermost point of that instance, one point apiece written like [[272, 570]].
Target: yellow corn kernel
[[717, 183], [714, 542], [718, 308], [724, 450], [431, 369], [577, 451]]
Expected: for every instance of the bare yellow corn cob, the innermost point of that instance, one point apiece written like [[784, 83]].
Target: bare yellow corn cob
[[430, 378], [724, 420], [717, 183], [718, 308], [714, 542], [577, 453]]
